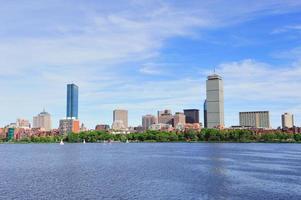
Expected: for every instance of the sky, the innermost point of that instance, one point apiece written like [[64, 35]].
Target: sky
[[148, 55]]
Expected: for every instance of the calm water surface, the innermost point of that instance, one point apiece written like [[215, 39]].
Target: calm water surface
[[150, 171]]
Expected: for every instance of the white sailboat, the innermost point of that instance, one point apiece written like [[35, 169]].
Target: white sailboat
[[127, 141], [84, 142], [61, 143]]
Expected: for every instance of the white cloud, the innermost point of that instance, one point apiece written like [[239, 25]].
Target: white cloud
[[45, 45]]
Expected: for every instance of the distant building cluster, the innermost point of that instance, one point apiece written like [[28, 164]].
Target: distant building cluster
[[163, 120]]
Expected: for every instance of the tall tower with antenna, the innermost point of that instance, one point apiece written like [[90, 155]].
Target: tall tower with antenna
[[215, 101]]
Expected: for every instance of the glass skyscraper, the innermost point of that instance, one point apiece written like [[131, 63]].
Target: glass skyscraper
[[72, 101]]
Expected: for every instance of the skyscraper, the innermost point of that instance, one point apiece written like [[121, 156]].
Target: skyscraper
[[121, 115], [72, 101], [215, 101], [192, 116], [287, 120], [43, 121]]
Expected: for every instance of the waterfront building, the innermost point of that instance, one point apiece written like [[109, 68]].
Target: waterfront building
[[148, 120], [102, 127], [215, 101], [11, 133], [256, 119], [23, 123], [192, 116], [72, 101], [161, 127], [165, 117], [287, 120], [179, 120], [121, 115], [42, 121], [69, 125]]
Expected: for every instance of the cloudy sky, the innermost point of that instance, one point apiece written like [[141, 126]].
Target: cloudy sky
[[148, 55]]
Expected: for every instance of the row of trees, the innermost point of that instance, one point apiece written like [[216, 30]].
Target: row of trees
[[206, 135]]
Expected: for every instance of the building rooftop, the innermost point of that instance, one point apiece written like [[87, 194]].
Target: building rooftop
[[214, 76]]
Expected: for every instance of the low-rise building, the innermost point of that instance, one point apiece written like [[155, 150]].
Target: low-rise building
[[102, 127]]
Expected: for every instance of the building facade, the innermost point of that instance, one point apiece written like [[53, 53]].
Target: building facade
[[287, 120], [192, 116], [42, 121], [102, 127], [256, 119], [205, 114], [165, 117], [179, 119], [23, 123], [215, 101], [148, 120], [69, 125], [121, 115], [72, 101]]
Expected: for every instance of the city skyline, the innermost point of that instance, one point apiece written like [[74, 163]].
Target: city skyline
[[153, 57]]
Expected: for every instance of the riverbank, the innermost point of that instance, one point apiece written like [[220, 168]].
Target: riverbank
[[206, 135]]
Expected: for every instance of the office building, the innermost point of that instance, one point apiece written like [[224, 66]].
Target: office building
[[165, 117], [215, 101], [256, 119], [179, 119], [42, 121], [148, 120], [287, 120], [121, 115], [23, 123], [72, 101], [192, 116], [160, 112], [69, 125], [205, 114]]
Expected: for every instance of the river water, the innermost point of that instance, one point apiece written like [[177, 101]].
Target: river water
[[150, 171]]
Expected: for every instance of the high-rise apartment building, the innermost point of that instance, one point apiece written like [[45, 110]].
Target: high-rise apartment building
[[165, 117], [256, 119], [179, 119], [192, 116], [43, 121], [121, 115], [148, 120], [72, 101], [287, 120], [215, 101]]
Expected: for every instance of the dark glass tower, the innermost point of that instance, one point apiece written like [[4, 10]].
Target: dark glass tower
[[205, 114], [192, 116], [72, 101]]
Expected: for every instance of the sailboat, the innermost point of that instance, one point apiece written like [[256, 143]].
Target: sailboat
[[84, 142], [61, 143], [127, 141]]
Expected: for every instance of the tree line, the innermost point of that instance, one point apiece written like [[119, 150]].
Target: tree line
[[205, 135]]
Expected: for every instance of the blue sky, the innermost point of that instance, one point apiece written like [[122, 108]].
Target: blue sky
[[148, 55]]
